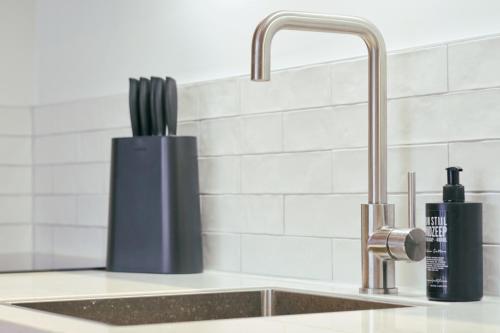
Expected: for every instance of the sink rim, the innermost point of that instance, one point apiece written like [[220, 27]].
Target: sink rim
[[399, 304], [387, 299]]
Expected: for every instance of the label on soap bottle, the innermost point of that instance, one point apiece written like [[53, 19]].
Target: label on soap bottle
[[436, 230]]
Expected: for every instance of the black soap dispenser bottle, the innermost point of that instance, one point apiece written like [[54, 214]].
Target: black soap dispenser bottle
[[454, 253]]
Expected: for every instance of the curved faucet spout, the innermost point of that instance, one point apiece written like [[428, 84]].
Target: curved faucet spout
[[377, 101]]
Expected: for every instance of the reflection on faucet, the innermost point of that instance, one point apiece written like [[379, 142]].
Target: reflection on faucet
[[381, 243]]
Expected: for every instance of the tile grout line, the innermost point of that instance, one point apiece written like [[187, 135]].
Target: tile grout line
[[447, 68], [283, 212], [332, 256], [263, 234], [335, 150], [33, 181], [448, 151], [241, 252]]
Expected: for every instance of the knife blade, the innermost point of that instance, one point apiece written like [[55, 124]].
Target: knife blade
[[157, 106], [133, 100], [170, 104], [144, 106]]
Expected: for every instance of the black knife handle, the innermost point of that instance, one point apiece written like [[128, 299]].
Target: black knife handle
[[145, 107], [133, 100], [157, 105], [171, 105]]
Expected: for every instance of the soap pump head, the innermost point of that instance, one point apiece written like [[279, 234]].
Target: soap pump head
[[453, 191]]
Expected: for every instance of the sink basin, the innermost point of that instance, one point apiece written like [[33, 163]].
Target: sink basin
[[202, 306]]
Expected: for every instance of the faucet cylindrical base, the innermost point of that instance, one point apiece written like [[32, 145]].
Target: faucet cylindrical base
[[378, 291], [378, 270]]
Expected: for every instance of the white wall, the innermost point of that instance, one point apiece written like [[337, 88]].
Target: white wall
[[17, 22], [89, 48]]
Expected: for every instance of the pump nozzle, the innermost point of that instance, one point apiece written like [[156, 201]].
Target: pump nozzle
[[454, 175], [453, 191]]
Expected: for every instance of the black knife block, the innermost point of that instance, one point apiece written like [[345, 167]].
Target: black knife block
[[154, 211]]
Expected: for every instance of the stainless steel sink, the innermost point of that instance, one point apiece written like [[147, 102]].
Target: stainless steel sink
[[202, 306]]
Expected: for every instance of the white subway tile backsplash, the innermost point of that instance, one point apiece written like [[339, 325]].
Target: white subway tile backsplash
[[401, 208], [338, 127], [350, 168], [429, 162], [287, 173], [80, 178], [349, 81], [15, 238], [222, 213], [80, 242], [347, 261], [15, 209], [409, 73], [473, 115], [417, 120], [15, 180], [350, 171], [491, 214], [55, 210], [91, 178], [262, 133], [107, 176], [308, 129], [480, 162], [92, 114], [264, 214], [291, 89], [187, 102], [221, 252], [443, 118], [491, 269], [15, 151], [417, 72], [91, 147], [301, 257], [42, 239], [64, 179], [219, 174], [190, 128], [243, 213], [472, 64], [56, 149], [218, 98], [43, 181], [15, 121], [220, 136], [323, 215], [92, 210]]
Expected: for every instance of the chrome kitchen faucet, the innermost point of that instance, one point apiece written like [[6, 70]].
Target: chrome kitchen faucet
[[381, 242]]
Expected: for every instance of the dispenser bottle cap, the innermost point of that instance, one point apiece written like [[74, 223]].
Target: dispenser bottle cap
[[453, 191]]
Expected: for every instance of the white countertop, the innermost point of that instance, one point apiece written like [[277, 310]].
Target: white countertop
[[427, 316]]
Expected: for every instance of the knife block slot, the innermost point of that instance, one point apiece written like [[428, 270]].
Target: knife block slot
[[154, 211]]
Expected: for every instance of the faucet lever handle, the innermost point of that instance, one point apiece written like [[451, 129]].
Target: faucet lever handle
[[411, 199], [408, 244]]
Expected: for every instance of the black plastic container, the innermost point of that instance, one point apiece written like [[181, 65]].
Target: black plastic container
[[154, 211], [454, 245]]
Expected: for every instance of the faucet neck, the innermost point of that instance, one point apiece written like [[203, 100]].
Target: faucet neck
[[377, 85]]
